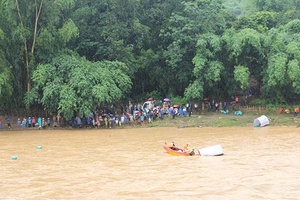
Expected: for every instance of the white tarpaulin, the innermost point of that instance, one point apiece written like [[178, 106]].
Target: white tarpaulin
[[261, 121], [215, 150]]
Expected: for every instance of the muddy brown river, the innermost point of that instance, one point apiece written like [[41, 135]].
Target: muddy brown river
[[258, 163]]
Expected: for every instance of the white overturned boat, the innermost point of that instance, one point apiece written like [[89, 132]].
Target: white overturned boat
[[215, 150]]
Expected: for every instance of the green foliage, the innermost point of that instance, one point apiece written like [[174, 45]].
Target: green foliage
[[180, 36], [67, 102], [172, 48], [1, 35], [241, 75], [46, 45], [276, 5], [293, 26], [272, 103], [65, 4], [194, 90], [207, 70], [72, 85], [6, 79], [68, 31], [277, 69], [260, 21], [217, 57], [244, 39], [240, 7], [5, 83], [178, 100], [259, 102], [233, 7], [293, 72], [154, 94]]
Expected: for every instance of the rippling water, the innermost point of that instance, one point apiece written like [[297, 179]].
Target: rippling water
[[259, 163]]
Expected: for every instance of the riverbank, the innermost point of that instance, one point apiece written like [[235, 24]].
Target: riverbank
[[207, 119], [227, 120]]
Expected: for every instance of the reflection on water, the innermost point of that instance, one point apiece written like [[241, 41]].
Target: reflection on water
[[259, 163]]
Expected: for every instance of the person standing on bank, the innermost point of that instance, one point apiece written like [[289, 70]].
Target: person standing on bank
[[8, 119], [189, 109], [29, 122], [40, 123]]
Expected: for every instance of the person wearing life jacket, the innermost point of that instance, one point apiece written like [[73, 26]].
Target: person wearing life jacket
[[173, 147]]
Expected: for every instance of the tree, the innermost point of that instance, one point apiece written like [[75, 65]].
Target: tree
[[276, 5], [241, 76], [260, 21], [72, 85], [180, 37], [283, 69], [33, 34], [37, 7], [224, 64], [6, 78]]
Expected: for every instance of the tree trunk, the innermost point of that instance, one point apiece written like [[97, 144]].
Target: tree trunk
[[27, 61], [37, 15], [25, 49]]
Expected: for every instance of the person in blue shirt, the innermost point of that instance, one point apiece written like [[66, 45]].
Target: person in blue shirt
[[24, 122], [40, 122], [29, 121]]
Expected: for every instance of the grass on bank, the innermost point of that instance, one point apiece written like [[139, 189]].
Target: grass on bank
[[212, 119]]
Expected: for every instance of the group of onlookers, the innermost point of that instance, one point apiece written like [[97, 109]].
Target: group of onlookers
[[215, 105], [107, 118], [27, 122]]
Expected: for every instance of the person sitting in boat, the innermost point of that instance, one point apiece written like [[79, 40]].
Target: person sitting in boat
[[173, 147], [186, 149], [192, 153]]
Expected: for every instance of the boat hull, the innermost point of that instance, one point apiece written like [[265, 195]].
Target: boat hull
[[215, 150], [178, 152]]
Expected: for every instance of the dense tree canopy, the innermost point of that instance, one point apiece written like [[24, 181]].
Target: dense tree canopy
[[73, 85], [53, 53]]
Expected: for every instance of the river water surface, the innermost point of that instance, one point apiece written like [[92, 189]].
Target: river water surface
[[258, 163]]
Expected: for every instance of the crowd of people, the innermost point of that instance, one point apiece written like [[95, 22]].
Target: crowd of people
[[27, 122], [108, 117]]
